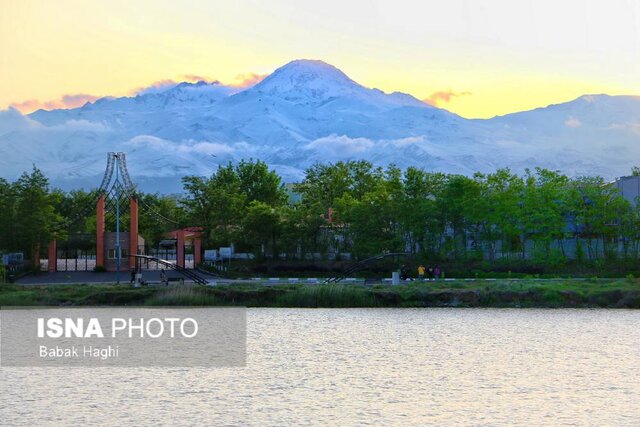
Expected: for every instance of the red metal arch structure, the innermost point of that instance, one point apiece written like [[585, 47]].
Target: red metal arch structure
[[124, 188], [182, 236]]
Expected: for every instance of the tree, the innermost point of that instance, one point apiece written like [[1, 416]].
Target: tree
[[258, 183], [600, 211], [166, 213], [218, 203], [261, 227], [214, 204], [418, 215], [503, 191], [8, 239], [545, 208], [453, 208], [324, 184], [35, 214], [372, 214], [76, 208]]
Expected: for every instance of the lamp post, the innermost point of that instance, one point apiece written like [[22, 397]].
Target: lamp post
[[118, 258]]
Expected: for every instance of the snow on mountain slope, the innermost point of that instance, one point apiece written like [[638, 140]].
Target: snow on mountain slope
[[593, 134], [306, 81], [305, 112]]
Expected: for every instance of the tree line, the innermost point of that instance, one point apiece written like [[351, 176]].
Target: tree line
[[357, 208]]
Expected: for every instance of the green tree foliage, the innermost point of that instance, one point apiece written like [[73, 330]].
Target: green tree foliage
[[35, 216], [8, 237], [220, 202], [602, 214], [158, 215], [325, 183], [544, 209], [258, 183], [261, 228], [357, 208]]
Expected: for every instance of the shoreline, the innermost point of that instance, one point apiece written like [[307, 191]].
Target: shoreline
[[566, 293]]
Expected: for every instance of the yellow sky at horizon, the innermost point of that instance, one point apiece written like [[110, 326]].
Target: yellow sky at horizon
[[493, 56]]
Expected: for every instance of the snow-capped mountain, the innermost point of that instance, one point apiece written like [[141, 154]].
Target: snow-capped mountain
[[304, 112]]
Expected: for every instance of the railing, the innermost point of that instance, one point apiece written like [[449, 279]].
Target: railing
[[185, 272], [212, 273], [361, 265]]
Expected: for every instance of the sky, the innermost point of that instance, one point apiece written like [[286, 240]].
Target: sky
[[477, 58]]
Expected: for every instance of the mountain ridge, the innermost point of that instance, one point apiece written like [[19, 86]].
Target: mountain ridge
[[309, 111]]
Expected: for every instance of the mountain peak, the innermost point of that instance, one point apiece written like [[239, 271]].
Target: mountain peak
[[308, 79], [305, 70]]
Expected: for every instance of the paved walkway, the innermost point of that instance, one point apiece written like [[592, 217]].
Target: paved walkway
[[153, 276], [75, 277]]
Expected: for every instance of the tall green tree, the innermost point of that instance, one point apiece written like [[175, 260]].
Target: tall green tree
[[219, 203], [261, 227], [545, 211], [259, 183], [35, 213], [8, 237], [601, 212]]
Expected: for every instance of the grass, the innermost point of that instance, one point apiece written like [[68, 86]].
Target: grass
[[92, 295], [592, 292], [328, 296], [182, 296]]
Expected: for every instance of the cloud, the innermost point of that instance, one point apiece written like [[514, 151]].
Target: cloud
[[243, 81], [213, 148], [155, 87], [443, 97], [410, 140], [66, 101], [150, 141], [55, 148], [572, 122], [629, 127], [336, 147], [14, 120], [248, 80], [166, 84], [82, 125], [194, 78], [186, 147]]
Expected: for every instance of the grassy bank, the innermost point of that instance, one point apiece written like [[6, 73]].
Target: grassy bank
[[612, 293], [466, 268]]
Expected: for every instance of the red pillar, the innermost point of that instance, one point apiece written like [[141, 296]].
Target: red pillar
[[133, 230], [197, 250], [180, 248], [100, 232], [36, 257], [53, 256]]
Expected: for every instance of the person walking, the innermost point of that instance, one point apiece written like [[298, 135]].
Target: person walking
[[430, 272], [163, 278], [437, 271], [133, 276], [404, 275], [421, 271]]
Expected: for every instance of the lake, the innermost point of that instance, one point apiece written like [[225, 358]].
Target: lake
[[367, 367]]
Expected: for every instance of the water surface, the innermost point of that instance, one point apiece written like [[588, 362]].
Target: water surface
[[367, 367]]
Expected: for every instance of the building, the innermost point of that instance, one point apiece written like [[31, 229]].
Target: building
[[629, 187]]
